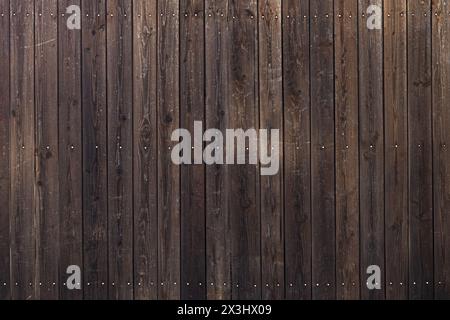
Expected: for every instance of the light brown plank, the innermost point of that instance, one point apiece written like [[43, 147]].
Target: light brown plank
[[145, 150]]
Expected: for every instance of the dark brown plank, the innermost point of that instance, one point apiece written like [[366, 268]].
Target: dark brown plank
[[323, 148], [70, 149], [244, 179], [297, 149], [192, 176], [396, 149], [145, 150], [420, 151], [23, 223], [441, 156], [271, 117], [120, 148], [95, 212], [192, 108], [5, 173], [347, 149], [47, 155], [218, 242], [168, 173], [371, 154]]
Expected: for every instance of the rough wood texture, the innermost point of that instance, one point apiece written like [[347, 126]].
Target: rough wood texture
[[5, 151], [119, 88], [322, 151], [86, 171], [218, 242], [145, 150], [441, 156], [70, 149], [371, 148], [244, 179], [420, 151], [168, 173], [396, 149], [24, 230], [192, 109], [46, 139], [271, 117], [95, 203], [347, 150], [297, 149]]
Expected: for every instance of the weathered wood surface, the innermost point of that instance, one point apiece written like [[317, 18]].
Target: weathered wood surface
[[86, 171]]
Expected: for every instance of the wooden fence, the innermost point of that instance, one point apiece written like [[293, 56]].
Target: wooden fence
[[86, 176]]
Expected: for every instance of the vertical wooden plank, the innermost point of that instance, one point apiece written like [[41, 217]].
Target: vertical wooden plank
[[323, 148], [420, 151], [120, 148], [95, 210], [244, 179], [347, 149], [5, 171], [371, 142], [168, 172], [70, 149], [192, 108], [47, 155], [441, 156], [396, 149], [271, 117], [218, 241], [145, 150], [22, 216], [297, 150]]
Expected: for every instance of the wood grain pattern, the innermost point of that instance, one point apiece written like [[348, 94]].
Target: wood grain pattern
[[23, 219], [168, 173], [322, 151], [297, 149], [86, 172], [441, 135], [271, 117], [396, 149], [95, 202], [5, 151], [371, 146], [47, 146], [192, 109], [244, 179], [120, 148], [420, 151], [218, 242], [347, 175], [70, 149], [145, 150]]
